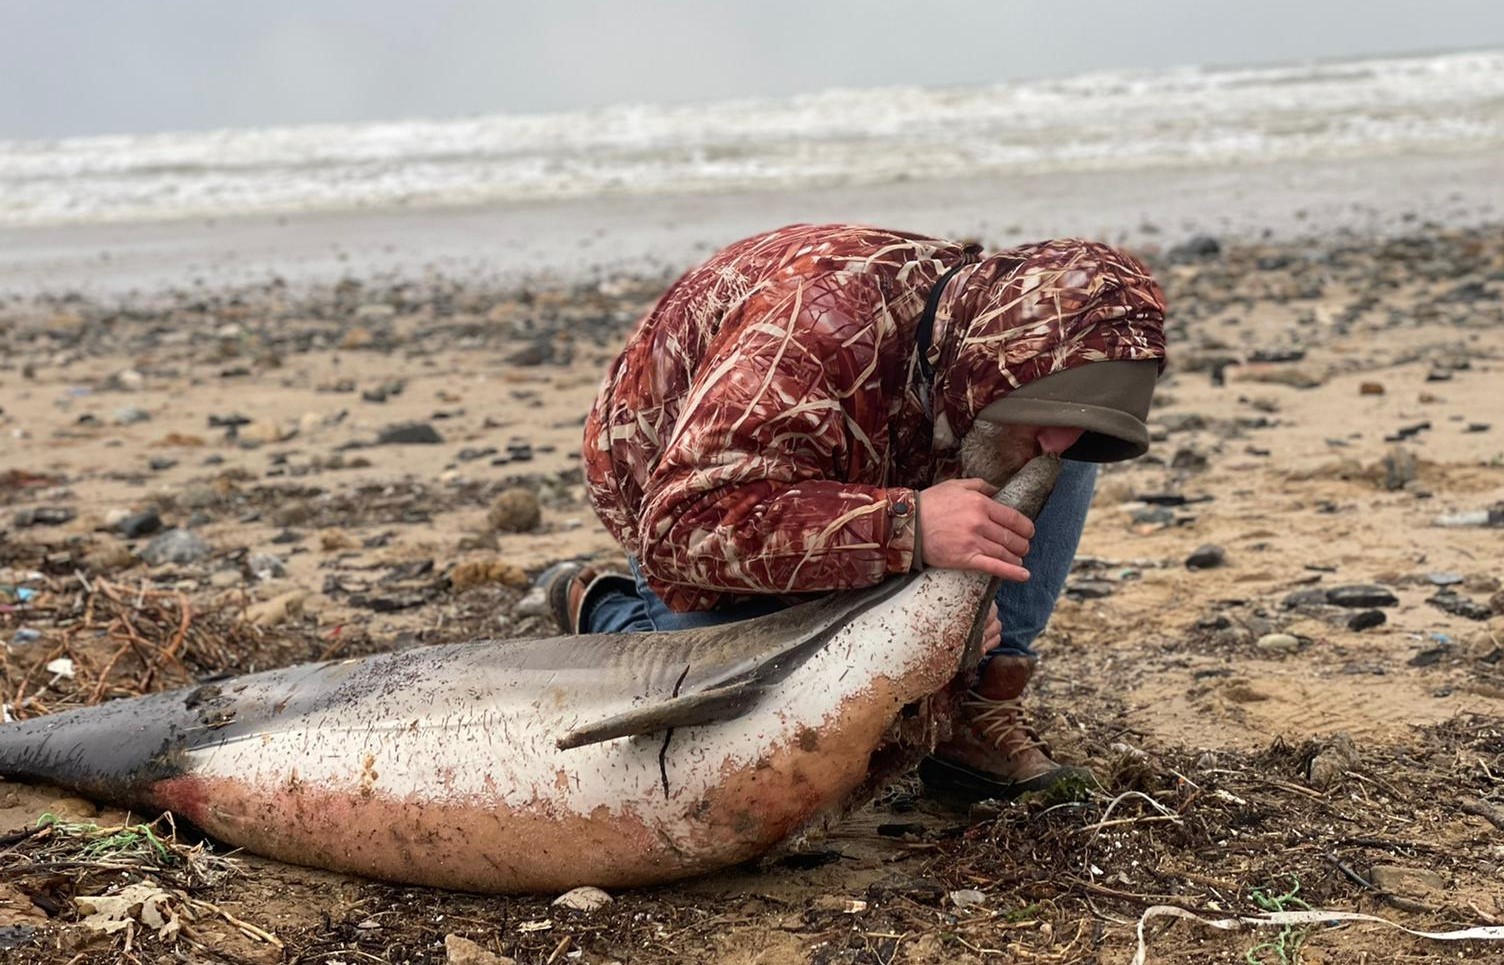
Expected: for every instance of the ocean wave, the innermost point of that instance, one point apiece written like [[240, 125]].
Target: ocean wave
[[1114, 119]]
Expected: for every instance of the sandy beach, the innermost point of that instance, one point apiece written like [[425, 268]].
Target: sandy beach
[[245, 443]]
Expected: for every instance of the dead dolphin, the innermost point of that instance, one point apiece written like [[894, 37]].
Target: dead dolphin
[[539, 765]]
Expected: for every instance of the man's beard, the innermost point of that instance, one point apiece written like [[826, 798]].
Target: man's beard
[[995, 451]]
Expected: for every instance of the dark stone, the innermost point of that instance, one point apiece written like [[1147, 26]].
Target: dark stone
[[1429, 657], [1360, 596], [43, 516], [519, 452], [1364, 619], [1277, 355], [1155, 515], [1438, 375], [1188, 460], [534, 353], [1478, 427], [471, 454], [1206, 557], [1196, 248], [1089, 589], [1162, 499], [409, 434], [901, 830], [160, 463], [14, 936], [139, 524], [409, 571], [232, 421], [1407, 432], [392, 602], [287, 536], [1460, 606]]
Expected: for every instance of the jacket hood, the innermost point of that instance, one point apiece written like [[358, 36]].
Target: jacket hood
[[1032, 311]]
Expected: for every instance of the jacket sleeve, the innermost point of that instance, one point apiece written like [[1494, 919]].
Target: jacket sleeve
[[748, 496]]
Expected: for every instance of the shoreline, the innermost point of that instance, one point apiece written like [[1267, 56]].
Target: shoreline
[[564, 242]]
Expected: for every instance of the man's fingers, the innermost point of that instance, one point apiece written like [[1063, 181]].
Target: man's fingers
[[1010, 518], [978, 486], [1009, 572], [1000, 551]]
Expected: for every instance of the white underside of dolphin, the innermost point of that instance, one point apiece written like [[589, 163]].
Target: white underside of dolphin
[[442, 765]]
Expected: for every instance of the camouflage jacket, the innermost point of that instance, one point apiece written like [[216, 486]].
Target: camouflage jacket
[[767, 425]]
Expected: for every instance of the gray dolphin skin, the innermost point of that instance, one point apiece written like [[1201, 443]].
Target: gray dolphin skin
[[538, 765]]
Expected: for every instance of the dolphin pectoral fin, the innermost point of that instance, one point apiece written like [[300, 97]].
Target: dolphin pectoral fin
[[706, 707], [724, 685]]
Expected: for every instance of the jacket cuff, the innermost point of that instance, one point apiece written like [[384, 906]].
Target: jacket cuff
[[902, 550]]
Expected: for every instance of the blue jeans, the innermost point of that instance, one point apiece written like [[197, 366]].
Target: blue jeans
[[1023, 608]]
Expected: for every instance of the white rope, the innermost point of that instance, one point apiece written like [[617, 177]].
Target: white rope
[[1314, 917]]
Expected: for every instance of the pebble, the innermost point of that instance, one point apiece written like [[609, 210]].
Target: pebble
[[1444, 578], [179, 546], [1311, 597], [126, 380], [1454, 603], [43, 516], [459, 950], [1371, 388], [1206, 557], [266, 566], [278, 610], [198, 497], [1277, 355], [1153, 516], [1195, 248], [1489, 518], [26, 635], [1360, 596], [224, 579], [1400, 468], [534, 603], [1336, 757], [128, 415], [1414, 882], [161, 463], [409, 434], [1278, 643], [266, 431], [585, 898], [515, 510], [1364, 619], [139, 524], [967, 898], [1089, 589]]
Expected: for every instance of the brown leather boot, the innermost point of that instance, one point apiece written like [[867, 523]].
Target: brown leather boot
[[569, 586], [993, 752]]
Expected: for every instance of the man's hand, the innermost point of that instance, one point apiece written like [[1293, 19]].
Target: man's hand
[[992, 630], [961, 528]]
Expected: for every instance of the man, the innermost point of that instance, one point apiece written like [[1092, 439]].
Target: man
[[821, 407]]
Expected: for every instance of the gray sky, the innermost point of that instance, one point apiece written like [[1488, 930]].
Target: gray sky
[[112, 66]]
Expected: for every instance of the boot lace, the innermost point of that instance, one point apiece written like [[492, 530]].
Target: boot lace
[[998, 721]]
